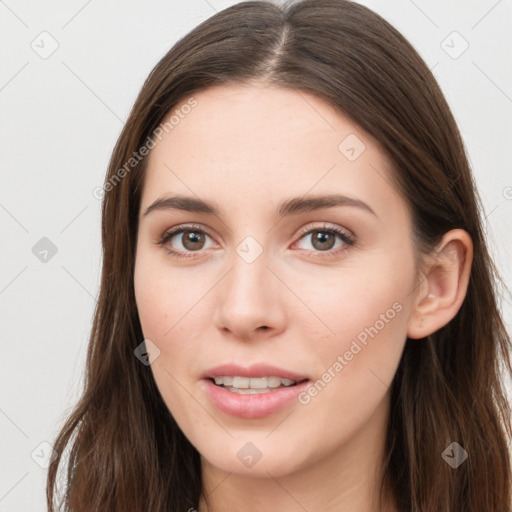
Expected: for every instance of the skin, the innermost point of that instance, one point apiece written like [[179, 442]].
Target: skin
[[247, 148]]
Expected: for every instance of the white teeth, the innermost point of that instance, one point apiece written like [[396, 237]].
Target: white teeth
[[241, 382], [259, 383], [273, 382]]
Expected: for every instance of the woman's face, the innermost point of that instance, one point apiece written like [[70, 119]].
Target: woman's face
[[319, 290]]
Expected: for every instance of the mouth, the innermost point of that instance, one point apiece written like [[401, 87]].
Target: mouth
[[252, 397], [252, 391], [254, 385]]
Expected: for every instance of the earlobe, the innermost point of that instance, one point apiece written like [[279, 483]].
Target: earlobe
[[444, 284]]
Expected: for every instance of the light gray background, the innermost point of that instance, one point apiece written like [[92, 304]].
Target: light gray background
[[60, 118]]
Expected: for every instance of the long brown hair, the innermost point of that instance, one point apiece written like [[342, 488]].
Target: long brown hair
[[126, 453]]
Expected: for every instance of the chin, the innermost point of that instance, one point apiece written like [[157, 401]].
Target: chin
[[244, 458]]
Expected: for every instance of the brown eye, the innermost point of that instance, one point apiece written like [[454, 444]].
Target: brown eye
[[329, 240], [193, 240], [323, 240], [183, 241]]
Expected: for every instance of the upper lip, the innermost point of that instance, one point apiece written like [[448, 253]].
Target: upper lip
[[254, 370]]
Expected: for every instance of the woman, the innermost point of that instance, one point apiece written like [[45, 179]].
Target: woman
[[297, 307]]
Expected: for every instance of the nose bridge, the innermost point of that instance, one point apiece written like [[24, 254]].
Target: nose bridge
[[248, 297], [249, 279]]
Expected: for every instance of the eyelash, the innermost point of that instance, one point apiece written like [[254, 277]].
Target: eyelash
[[347, 239]]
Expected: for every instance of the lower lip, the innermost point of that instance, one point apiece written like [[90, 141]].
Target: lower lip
[[252, 406]]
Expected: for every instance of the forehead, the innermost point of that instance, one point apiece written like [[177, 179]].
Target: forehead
[[260, 114], [261, 142]]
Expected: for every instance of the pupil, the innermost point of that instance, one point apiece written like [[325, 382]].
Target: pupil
[[191, 238], [322, 237]]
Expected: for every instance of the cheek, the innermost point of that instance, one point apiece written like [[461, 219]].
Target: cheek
[[153, 302], [356, 369], [362, 357], [365, 311], [157, 289], [167, 323], [350, 301], [165, 320]]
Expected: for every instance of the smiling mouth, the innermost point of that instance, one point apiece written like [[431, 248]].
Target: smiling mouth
[[253, 385]]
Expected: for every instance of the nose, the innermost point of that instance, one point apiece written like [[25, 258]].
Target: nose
[[250, 300]]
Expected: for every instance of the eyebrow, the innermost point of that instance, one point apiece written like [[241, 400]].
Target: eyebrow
[[291, 206]]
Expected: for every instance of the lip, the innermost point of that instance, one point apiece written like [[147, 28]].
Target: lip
[[251, 406], [255, 370]]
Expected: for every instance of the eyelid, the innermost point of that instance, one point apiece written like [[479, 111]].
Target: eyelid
[[326, 226], [346, 236], [179, 229]]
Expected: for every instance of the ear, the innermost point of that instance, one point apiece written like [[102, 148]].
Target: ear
[[443, 286]]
